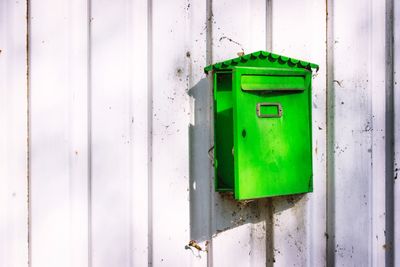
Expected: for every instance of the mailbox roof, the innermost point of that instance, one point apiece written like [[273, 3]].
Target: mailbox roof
[[246, 60]]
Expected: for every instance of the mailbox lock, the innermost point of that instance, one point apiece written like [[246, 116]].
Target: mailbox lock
[[277, 105]]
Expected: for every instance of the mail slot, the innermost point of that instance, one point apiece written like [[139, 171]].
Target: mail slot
[[262, 125]]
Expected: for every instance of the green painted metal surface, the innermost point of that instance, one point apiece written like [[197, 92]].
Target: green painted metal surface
[[262, 125], [261, 58]]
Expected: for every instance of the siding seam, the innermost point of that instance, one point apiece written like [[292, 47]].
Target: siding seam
[[330, 116], [28, 142], [89, 133], [389, 132], [150, 129]]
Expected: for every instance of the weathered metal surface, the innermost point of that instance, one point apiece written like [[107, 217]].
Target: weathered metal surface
[[119, 129], [352, 137], [13, 135], [358, 192], [59, 148]]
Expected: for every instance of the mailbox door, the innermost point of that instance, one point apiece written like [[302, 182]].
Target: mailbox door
[[272, 132]]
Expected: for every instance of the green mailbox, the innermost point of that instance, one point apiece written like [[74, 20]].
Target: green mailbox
[[262, 125]]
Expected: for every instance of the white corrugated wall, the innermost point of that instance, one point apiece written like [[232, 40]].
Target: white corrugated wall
[[105, 123]]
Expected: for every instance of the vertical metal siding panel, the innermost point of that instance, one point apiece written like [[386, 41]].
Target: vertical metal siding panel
[[78, 93], [59, 145], [112, 92], [299, 222], [13, 135], [354, 188], [170, 122], [139, 87], [58, 133], [238, 228], [396, 84]]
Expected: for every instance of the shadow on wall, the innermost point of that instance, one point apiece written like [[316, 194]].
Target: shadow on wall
[[212, 213], [200, 181]]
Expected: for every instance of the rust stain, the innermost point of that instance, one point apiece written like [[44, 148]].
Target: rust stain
[[193, 243]]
